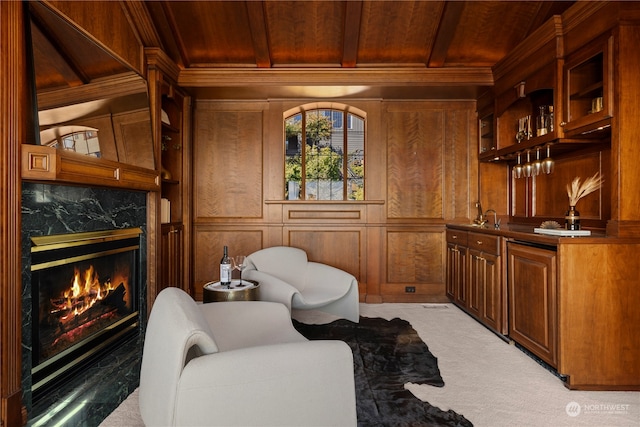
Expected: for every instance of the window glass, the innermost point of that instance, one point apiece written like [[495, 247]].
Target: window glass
[[329, 165]]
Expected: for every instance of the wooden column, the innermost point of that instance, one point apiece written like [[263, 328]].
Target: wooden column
[[14, 119], [625, 149]]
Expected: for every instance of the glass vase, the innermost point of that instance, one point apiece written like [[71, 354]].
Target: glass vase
[[572, 219]]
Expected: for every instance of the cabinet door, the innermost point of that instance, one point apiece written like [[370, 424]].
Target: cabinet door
[[456, 274], [171, 254], [589, 89], [533, 316], [491, 310], [476, 281]]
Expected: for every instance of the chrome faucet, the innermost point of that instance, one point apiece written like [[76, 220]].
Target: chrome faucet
[[496, 221]]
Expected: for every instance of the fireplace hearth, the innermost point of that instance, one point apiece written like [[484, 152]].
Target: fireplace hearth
[[84, 299]]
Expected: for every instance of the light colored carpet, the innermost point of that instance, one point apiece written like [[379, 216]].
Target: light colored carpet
[[487, 380]]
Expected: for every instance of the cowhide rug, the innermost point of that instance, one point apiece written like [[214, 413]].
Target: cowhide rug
[[386, 355]]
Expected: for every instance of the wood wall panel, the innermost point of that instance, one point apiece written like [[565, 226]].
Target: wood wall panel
[[415, 256], [341, 248], [415, 164], [460, 162], [421, 173], [555, 201], [227, 163]]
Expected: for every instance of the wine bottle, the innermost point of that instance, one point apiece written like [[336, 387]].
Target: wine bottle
[[225, 268]]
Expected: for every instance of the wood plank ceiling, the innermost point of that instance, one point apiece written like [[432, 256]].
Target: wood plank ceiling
[[214, 41]]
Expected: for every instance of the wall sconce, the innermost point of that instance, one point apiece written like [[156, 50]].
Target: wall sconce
[[520, 93]]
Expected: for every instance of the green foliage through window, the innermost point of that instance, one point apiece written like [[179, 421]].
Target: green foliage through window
[[318, 171]]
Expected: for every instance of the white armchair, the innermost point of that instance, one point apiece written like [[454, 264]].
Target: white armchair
[[286, 276], [239, 364]]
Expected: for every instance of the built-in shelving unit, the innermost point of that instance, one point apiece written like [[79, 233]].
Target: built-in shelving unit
[[171, 109]]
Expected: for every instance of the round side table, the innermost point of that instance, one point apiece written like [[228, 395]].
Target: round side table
[[247, 290]]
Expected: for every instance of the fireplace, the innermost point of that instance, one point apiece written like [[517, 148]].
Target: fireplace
[[85, 300]]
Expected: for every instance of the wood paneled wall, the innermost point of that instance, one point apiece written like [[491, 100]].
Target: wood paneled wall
[[420, 174]]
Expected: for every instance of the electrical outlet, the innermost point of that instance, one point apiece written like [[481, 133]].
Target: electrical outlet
[[410, 289]]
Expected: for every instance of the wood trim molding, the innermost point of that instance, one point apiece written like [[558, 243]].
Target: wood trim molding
[[233, 77], [15, 117], [43, 163]]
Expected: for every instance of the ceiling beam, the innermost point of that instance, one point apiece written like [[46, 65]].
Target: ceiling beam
[[237, 77], [259, 34], [353, 16], [446, 31], [63, 61], [142, 23]]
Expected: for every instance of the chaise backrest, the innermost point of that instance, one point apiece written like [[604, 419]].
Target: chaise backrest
[[284, 262], [176, 332]]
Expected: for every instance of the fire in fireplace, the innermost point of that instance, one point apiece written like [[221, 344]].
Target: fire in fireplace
[[85, 299]]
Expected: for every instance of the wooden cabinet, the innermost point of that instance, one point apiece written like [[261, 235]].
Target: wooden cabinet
[[172, 253], [589, 88], [474, 278], [486, 288], [171, 108], [487, 141], [533, 300], [456, 274]]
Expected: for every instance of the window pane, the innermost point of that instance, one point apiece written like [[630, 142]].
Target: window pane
[[355, 158], [323, 157], [293, 157]]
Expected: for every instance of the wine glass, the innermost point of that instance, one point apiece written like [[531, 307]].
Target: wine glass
[[537, 164], [547, 164], [239, 264], [517, 169], [527, 169]]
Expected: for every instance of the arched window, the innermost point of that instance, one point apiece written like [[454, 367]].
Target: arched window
[[324, 154], [81, 139]]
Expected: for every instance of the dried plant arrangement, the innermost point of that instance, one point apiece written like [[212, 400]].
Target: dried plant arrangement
[[577, 191]]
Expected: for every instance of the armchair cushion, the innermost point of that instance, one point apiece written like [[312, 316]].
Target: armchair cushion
[[238, 364]]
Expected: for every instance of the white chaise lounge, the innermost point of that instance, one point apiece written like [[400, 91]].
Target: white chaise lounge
[[286, 276]]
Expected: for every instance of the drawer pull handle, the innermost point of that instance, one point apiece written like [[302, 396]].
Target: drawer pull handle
[[479, 242], [455, 236]]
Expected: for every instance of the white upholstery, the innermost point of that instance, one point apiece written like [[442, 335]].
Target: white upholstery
[[286, 276], [240, 364]]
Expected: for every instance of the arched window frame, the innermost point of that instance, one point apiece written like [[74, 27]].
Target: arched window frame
[[353, 187]]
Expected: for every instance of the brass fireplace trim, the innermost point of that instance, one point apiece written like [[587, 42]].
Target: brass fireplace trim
[[62, 241], [59, 241]]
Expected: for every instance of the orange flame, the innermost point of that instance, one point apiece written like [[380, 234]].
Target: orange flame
[[85, 291]]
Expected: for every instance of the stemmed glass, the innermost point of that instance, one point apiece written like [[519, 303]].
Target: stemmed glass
[[239, 264], [537, 164], [547, 164], [527, 169], [517, 169]]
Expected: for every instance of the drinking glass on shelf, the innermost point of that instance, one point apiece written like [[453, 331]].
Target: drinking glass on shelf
[[520, 134], [239, 264]]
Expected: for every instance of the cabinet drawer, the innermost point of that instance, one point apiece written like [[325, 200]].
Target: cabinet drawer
[[458, 237], [484, 243]]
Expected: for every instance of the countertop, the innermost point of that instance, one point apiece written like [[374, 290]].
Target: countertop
[[525, 233]]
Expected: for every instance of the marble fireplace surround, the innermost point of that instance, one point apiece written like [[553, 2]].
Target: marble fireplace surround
[[49, 209]]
